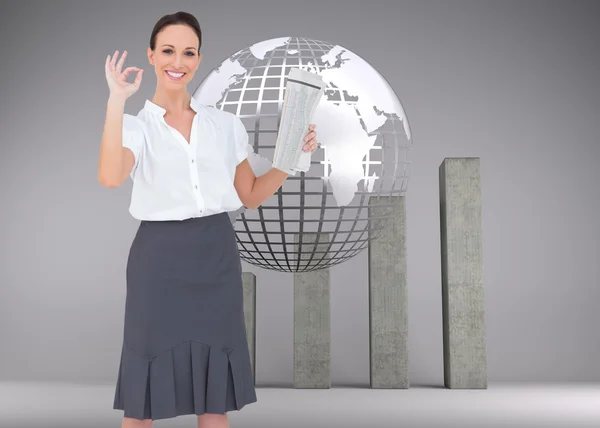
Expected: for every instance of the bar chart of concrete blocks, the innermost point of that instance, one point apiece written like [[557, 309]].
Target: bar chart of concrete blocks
[[462, 291]]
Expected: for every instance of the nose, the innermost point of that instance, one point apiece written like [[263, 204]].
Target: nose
[[177, 62]]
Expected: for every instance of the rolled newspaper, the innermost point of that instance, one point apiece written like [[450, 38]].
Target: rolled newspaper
[[303, 92]]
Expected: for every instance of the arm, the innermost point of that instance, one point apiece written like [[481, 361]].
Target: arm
[[252, 190], [115, 162]]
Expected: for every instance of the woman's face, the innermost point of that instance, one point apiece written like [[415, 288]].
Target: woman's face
[[176, 52]]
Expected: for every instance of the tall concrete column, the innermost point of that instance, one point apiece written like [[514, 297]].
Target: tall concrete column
[[249, 285], [388, 296], [312, 319], [463, 304]]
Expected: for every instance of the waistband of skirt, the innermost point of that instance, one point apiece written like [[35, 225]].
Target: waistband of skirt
[[189, 220]]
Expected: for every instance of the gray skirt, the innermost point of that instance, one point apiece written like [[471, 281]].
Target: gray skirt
[[184, 340]]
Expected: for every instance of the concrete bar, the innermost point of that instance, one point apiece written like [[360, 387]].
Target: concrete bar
[[312, 320], [388, 296], [463, 304], [249, 285]]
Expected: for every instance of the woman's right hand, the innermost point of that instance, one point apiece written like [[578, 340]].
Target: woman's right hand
[[116, 79]]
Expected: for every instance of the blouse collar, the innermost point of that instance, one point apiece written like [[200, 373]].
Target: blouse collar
[[155, 108]]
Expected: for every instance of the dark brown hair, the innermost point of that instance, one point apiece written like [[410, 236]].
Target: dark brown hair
[[177, 18]]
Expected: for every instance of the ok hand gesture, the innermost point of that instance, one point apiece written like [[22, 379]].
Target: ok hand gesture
[[116, 79]]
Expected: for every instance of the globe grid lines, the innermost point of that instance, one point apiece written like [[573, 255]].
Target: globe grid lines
[[275, 65]]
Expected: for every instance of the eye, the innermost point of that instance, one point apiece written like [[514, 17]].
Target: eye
[[169, 51]]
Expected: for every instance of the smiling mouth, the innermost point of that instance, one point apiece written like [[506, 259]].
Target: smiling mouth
[[175, 76]]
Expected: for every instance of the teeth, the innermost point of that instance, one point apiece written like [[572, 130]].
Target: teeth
[[176, 75]]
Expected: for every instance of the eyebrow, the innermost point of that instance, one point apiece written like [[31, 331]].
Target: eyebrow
[[191, 47]]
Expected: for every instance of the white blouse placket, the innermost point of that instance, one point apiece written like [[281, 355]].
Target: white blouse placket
[[191, 150]]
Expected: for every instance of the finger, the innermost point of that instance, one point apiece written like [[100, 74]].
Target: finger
[[138, 78], [128, 70], [121, 61], [312, 127], [113, 60], [310, 146], [308, 137], [108, 64]]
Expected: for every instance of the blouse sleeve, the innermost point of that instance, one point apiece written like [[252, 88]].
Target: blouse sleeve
[[241, 139], [133, 137]]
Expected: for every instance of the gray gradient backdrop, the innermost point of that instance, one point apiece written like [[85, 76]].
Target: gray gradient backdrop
[[512, 82]]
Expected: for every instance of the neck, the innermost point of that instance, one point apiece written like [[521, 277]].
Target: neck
[[174, 102]]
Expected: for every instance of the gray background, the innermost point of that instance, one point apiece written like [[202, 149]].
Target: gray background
[[512, 82]]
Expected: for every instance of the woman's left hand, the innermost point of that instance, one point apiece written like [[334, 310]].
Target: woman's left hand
[[310, 140]]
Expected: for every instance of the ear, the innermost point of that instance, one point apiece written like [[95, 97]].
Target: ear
[[150, 56], [198, 63]]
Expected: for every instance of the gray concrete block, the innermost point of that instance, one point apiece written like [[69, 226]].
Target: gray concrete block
[[463, 303], [388, 296], [249, 285], [312, 320]]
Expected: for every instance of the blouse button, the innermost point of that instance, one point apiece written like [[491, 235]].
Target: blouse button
[[192, 160]]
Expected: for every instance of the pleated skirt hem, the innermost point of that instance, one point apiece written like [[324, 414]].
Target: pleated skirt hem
[[190, 378]]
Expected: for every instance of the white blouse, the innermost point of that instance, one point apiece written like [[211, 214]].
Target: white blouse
[[174, 180]]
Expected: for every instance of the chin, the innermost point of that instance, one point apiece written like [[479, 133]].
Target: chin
[[168, 82]]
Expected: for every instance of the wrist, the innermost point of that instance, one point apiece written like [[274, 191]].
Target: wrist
[[117, 99], [281, 170]]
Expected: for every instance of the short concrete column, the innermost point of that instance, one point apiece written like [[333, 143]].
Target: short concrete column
[[388, 295], [312, 319], [249, 285]]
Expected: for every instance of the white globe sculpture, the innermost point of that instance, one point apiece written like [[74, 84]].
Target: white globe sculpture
[[364, 139]]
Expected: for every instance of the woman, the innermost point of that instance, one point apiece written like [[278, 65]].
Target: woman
[[184, 343]]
